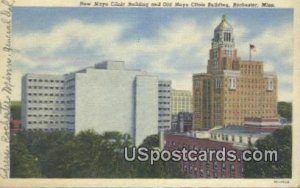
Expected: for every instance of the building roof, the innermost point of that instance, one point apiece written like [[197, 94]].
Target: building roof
[[240, 130], [224, 25]]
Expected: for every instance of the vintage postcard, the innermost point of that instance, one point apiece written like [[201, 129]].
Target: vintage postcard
[[149, 93]]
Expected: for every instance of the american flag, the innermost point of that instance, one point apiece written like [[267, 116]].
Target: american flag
[[252, 48]]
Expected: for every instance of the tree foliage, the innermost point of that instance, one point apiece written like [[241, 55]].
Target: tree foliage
[[15, 109], [23, 163], [281, 141], [60, 154], [285, 110]]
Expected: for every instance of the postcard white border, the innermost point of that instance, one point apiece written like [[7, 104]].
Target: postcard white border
[[293, 182]]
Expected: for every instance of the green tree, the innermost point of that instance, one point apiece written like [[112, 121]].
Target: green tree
[[285, 110], [23, 163], [160, 169], [60, 154], [15, 108], [99, 155], [281, 141]]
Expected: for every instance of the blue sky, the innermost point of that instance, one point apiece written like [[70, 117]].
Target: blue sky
[[172, 43]]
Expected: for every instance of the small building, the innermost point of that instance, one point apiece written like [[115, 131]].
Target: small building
[[15, 125], [184, 122]]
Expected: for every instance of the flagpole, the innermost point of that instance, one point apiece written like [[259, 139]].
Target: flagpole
[[249, 52]]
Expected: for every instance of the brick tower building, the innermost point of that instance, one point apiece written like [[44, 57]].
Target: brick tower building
[[232, 90]]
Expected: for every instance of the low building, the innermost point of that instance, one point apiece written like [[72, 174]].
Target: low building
[[183, 122], [205, 169], [15, 125], [219, 138], [241, 137]]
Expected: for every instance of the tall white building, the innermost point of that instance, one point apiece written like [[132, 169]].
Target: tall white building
[[106, 97], [164, 104], [43, 104]]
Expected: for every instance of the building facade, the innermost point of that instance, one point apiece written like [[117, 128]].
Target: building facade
[[234, 138], [164, 104], [106, 97], [43, 104], [182, 122], [232, 89], [205, 168], [181, 101]]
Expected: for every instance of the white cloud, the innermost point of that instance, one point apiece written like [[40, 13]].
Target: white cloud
[[285, 95], [285, 79], [276, 42], [176, 50], [64, 35], [268, 67]]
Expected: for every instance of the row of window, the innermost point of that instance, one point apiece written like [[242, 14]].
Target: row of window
[[164, 85], [164, 127], [164, 97], [227, 36], [41, 80], [70, 87], [164, 121], [199, 171], [70, 102], [35, 108], [46, 94], [164, 103], [162, 115], [49, 129], [248, 66], [70, 94], [46, 102], [163, 108], [245, 71], [45, 87], [45, 115], [45, 122], [225, 138], [228, 52], [164, 91]]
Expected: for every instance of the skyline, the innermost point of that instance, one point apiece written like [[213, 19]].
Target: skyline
[[145, 39]]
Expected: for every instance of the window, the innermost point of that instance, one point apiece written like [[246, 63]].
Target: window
[[270, 84], [218, 83], [232, 84]]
